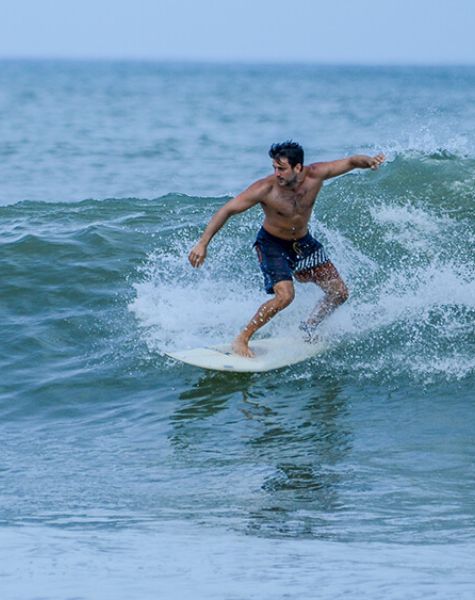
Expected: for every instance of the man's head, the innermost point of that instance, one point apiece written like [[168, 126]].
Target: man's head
[[287, 160]]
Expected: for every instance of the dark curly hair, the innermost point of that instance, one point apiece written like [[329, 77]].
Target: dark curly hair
[[290, 150]]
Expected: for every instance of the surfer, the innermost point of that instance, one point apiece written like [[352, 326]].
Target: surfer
[[284, 246]]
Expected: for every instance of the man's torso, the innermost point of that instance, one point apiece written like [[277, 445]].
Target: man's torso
[[287, 211]]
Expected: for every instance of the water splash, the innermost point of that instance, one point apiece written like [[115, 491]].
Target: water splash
[[406, 260]]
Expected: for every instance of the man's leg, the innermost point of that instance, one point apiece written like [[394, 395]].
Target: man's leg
[[284, 294], [336, 293]]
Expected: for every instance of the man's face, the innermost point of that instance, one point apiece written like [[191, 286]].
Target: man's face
[[284, 173]]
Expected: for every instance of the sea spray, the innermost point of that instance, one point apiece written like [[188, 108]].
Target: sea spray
[[406, 258]]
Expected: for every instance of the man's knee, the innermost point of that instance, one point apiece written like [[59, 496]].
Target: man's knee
[[341, 294], [284, 294]]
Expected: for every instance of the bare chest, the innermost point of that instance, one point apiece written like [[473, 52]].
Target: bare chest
[[288, 203]]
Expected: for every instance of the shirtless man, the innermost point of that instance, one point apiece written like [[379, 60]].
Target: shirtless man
[[285, 248]]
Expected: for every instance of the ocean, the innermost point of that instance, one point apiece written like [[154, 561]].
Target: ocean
[[127, 475]]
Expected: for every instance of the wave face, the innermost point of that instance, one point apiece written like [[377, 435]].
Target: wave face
[[402, 238]]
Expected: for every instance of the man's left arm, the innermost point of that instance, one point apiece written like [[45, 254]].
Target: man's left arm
[[326, 170]]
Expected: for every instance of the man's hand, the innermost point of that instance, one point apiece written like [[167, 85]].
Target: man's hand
[[370, 162], [197, 255]]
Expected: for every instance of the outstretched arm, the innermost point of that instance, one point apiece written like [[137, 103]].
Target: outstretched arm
[[326, 170], [239, 204]]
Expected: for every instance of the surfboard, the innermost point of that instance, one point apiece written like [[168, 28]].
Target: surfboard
[[271, 353]]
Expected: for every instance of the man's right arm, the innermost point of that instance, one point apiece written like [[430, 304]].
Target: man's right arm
[[250, 197]]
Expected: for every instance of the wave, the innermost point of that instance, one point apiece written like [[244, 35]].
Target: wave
[[401, 237]]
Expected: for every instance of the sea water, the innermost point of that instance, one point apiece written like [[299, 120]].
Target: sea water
[[126, 475]]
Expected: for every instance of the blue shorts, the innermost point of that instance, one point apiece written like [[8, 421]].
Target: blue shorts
[[279, 259]]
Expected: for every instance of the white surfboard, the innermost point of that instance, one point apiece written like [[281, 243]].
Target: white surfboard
[[270, 353]]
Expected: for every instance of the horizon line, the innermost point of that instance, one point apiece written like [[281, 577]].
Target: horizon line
[[230, 61]]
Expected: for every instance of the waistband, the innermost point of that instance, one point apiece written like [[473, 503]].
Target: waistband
[[264, 233]]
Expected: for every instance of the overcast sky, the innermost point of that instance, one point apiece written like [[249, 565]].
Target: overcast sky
[[337, 31]]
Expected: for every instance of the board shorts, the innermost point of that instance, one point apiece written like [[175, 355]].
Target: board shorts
[[280, 259]]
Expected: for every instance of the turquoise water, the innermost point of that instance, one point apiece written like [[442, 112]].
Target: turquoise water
[[124, 474]]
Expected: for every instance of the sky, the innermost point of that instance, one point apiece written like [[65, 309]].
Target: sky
[[314, 31]]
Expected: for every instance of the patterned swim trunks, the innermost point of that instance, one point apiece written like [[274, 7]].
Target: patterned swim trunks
[[279, 259]]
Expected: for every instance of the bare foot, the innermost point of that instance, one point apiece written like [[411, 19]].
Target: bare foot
[[241, 347]]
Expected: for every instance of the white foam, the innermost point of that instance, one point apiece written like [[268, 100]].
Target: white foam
[[430, 139]]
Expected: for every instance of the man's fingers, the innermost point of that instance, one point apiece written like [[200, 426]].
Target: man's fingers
[[195, 259], [377, 160], [197, 255]]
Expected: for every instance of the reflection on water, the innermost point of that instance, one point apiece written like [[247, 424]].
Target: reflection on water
[[301, 494], [287, 445], [203, 402], [210, 394]]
